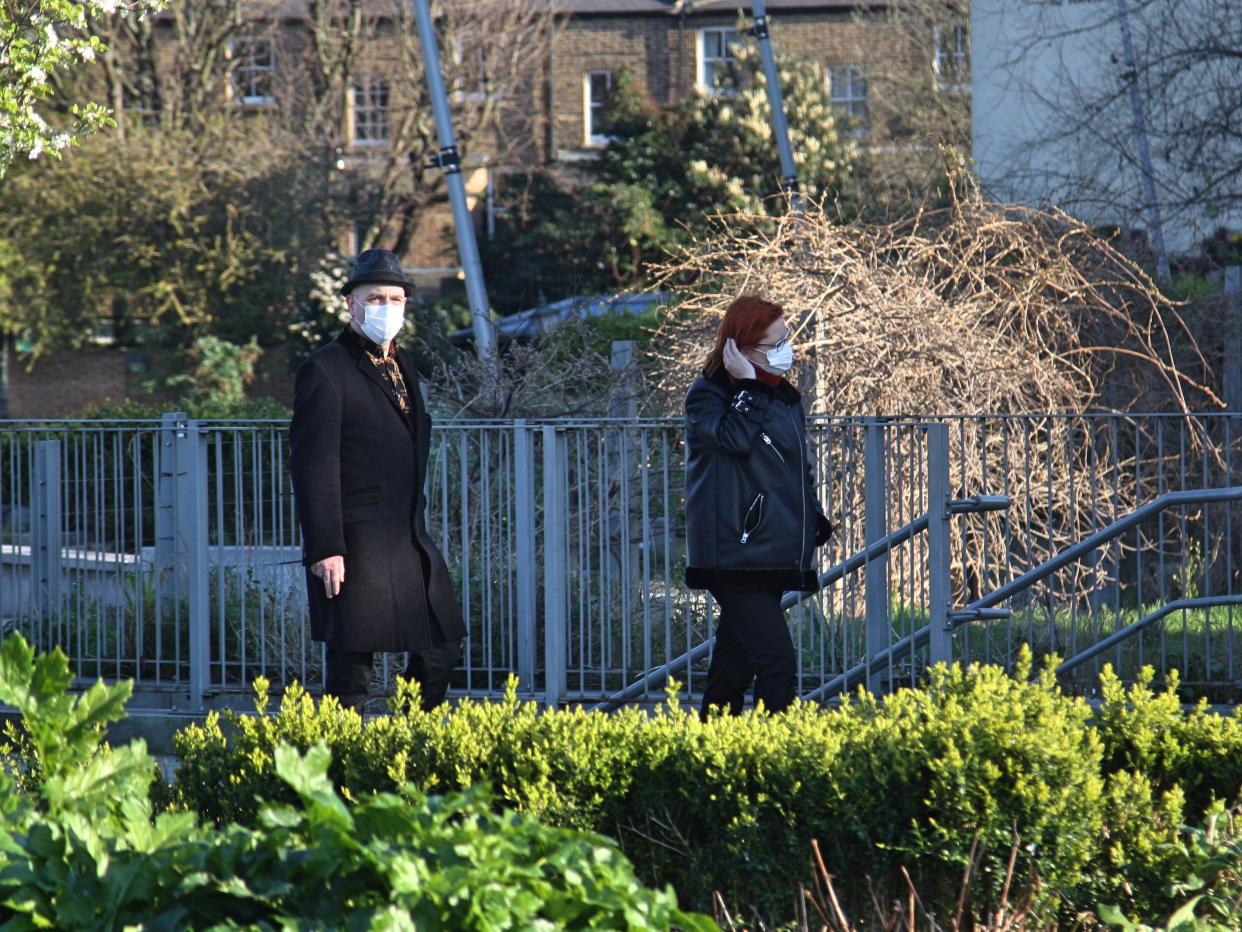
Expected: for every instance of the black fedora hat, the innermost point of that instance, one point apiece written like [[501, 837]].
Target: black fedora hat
[[377, 266]]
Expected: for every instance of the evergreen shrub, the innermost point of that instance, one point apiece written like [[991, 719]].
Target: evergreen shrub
[[82, 847], [975, 760]]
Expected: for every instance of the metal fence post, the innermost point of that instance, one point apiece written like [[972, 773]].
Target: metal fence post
[[169, 578], [939, 588], [45, 554], [524, 481], [1231, 377], [875, 529], [190, 451], [624, 401], [555, 606]]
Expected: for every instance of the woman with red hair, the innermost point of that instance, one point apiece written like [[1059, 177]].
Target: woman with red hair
[[752, 517]]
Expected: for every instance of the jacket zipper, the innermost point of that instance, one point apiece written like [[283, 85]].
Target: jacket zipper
[[801, 479], [747, 530], [771, 446]]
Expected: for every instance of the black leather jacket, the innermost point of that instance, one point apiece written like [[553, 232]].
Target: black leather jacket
[[752, 518]]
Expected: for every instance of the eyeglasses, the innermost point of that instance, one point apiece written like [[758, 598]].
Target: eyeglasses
[[779, 344]]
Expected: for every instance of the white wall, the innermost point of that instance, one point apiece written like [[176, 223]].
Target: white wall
[[1052, 122]]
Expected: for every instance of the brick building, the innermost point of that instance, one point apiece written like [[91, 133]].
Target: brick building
[[677, 49], [673, 48]]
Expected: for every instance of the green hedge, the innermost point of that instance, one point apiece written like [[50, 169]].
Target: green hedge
[[81, 846], [1090, 805]]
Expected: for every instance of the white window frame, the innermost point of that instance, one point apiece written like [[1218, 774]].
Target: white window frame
[[951, 77], [849, 100], [369, 86], [246, 72], [707, 66], [481, 90], [589, 107]]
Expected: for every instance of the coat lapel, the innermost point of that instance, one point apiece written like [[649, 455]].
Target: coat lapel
[[372, 372]]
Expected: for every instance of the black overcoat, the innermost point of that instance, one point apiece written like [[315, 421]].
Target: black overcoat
[[358, 466]]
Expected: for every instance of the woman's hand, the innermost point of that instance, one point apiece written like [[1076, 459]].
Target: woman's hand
[[735, 363]]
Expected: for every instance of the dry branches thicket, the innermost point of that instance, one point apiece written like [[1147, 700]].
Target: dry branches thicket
[[971, 310]]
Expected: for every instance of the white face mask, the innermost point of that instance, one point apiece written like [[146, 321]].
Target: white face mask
[[779, 360], [382, 322]]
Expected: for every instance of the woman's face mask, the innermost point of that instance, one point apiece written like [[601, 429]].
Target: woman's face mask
[[779, 359]]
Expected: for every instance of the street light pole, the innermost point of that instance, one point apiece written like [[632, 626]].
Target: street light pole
[[450, 162], [1144, 150], [780, 125]]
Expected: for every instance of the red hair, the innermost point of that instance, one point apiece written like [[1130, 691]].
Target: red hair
[[744, 322]]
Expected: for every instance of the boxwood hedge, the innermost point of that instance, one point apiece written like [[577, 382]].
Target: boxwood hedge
[[1088, 803]]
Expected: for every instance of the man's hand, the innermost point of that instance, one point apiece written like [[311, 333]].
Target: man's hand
[[332, 571]]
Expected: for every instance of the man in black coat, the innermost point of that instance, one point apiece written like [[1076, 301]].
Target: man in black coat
[[359, 443]]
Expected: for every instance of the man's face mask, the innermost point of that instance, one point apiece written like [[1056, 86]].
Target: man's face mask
[[381, 322]]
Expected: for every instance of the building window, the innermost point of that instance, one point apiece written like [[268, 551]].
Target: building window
[[470, 75], [370, 112], [847, 87], [254, 68], [715, 57], [952, 59], [597, 91]]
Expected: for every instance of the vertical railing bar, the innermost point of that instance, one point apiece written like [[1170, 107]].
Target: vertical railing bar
[[119, 512], [555, 465], [73, 524], [1205, 586], [940, 590], [668, 521], [463, 527], [1072, 530], [876, 517], [605, 555], [485, 510], [1093, 463], [524, 474], [1184, 543], [243, 621], [645, 477], [627, 570], [582, 548], [1229, 537], [510, 582], [1160, 544], [1138, 538], [216, 449], [140, 585]]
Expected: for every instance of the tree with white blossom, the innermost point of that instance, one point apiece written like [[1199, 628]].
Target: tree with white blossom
[[40, 39]]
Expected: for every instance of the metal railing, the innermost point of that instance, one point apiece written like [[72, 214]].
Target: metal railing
[[168, 551], [984, 609]]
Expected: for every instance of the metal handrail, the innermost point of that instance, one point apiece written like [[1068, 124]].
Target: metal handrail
[[831, 575], [1177, 605], [977, 503], [976, 609]]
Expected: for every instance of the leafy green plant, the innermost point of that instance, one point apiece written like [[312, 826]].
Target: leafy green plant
[[219, 371], [975, 760], [82, 848], [1207, 884], [1199, 753]]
